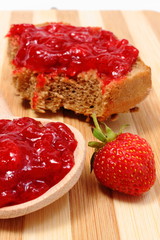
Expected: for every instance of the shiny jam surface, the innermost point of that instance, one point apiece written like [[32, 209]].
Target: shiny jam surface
[[69, 50], [33, 158]]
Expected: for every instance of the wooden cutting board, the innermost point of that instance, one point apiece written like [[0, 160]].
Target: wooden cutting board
[[89, 211]]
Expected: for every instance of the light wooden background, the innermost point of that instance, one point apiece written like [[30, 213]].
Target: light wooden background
[[89, 211]]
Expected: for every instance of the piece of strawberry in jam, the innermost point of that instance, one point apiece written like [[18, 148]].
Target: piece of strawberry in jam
[[9, 155], [8, 197], [64, 133], [29, 190], [8, 180]]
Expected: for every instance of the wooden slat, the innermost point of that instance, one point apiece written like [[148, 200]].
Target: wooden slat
[[90, 211], [52, 222]]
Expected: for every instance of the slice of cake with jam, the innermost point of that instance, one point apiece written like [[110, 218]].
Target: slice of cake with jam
[[83, 69]]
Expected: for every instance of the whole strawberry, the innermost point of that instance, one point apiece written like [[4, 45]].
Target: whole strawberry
[[123, 161]]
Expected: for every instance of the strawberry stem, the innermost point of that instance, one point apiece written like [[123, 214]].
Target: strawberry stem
[[95, 121], [104, 135], [97, 131]]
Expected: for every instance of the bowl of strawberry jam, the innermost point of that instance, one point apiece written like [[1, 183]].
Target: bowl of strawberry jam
[[39, 162]]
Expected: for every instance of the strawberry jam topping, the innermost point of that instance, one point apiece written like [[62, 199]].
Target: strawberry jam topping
[[33, 158], [69, 50]]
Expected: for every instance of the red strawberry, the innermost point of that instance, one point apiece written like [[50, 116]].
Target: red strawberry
[[122, 162]]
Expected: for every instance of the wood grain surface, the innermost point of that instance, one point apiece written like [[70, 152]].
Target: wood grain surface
[[90, 211]]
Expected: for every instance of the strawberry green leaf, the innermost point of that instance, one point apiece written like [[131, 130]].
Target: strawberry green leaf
[[99, 135], [110, 135], [122, 128], [95, 144]]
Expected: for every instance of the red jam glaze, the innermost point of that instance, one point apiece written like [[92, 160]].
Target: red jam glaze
[[40, 81], [33, 158], [69, 50]]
